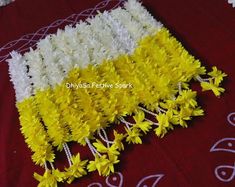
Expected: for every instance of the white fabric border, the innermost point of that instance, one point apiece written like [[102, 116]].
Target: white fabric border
[[23, 44]]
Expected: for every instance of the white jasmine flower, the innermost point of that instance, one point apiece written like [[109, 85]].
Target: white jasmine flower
[[53, 69], [142, 15], [19, 77], [88, 44], [64, 55], [37, 70], [105, 35], [66, 40], [134, 27], [120, 32]]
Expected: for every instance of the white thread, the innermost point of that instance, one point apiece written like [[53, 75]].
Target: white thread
[[180, 87], [126, 122], [203, 80], [147, 111], [52, 166], [159, 111], [92, 149], [45, 164], [68, 150], [154, 123], [105, 134], [67, 155], [162, 110], [105, 137]]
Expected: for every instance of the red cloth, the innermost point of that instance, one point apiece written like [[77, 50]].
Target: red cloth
[[183, 157]]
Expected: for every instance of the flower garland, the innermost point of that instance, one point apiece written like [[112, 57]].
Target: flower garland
[[31, 127], [83, 80]]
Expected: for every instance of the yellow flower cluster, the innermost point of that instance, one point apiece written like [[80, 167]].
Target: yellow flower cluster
[[51, 116], [158, 71], [51, 177], [34, 132], [213, 83]]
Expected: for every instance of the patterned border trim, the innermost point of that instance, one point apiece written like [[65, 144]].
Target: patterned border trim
[[117, 180], [23, 44], [225, 172]]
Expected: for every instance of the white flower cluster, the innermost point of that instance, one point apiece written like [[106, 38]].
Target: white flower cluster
[[142, 15], [18, 74], [105, 36], [5, 2], [36, 71]]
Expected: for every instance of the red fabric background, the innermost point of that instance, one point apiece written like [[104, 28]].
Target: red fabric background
[[206, 29]]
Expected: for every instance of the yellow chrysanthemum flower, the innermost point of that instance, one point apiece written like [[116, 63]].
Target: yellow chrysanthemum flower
[[163, 124], [103, 164], [217, 75], [133, 136], [139, 118], [103, 149], [118, 137], [47, 180], [211, 86], [77, 169]]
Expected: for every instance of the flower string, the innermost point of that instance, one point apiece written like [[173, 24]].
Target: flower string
[[31, 126]]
